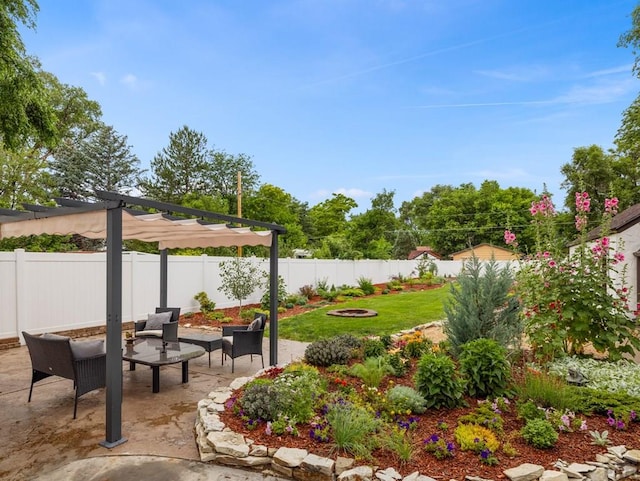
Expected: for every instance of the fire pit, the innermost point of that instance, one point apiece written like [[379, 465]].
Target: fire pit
[[352, 313]]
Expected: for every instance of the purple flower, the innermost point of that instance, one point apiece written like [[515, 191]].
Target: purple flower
[[620, 424], [450, 447], [611, 421], [485, 453], [267, 430], [632, 415]]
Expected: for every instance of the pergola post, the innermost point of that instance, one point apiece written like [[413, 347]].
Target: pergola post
[[273, 295], [164, 263], [114, 330]]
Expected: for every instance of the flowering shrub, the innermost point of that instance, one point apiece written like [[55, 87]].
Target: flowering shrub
[[571, 300]]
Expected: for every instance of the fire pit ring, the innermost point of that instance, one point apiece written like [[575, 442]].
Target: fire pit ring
[[352, 312]]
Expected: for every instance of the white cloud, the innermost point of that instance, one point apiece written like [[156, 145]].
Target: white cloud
[[610, 71], [529, 73], [101, 77], [130, 80]]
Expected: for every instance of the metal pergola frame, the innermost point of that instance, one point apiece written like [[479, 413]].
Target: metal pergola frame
[[114, 204]]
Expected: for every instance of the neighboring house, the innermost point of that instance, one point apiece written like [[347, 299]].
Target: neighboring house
[[625, 232], [423, 252], [485, 252]]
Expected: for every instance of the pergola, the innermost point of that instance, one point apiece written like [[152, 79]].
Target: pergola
[[117, 217]]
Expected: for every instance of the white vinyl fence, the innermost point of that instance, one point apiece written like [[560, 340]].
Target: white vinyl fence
[[49, 292]]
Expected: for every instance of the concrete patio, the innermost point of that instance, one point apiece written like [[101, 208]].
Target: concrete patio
[[42, 436]]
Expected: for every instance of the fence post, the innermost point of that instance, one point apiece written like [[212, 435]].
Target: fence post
[[20, 302]]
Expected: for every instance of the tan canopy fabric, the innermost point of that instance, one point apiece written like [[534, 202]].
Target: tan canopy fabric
[[149, 228]]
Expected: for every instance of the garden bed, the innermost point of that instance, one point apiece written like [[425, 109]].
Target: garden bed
[[575, 446]]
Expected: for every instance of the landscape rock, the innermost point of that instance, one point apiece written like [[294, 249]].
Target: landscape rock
[[318, 464], [228, 442], [359, 473], [524, 472], [342, 464], [549, 475], [290, 457]]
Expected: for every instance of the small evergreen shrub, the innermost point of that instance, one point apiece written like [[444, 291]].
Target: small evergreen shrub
[[481, 306], [405, 398], [350, 341], [351, 292], [207, 306], [484, 364], [437, 380], [366, 286], [373, 348], [540, 433], [326, 352], [487, 415]]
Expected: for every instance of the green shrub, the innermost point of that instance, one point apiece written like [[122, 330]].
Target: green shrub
[[484, 364], [373, 348], [307, 291], [351, 292], [371, 371], [398, 363], [546, 390], [437, 380], [352, 428], [416, 348], [481, 306], [300, 389], [405, 398], [540, 433], [587, 400], [350, 341], [207, 306], [529, 410], [265, 301], [366, 286], [485, 415], [386, 341], [260, 400], [326, 352]]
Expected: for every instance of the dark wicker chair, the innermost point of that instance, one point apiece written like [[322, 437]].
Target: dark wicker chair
[[240, 340], [169, 330], [54, 357]]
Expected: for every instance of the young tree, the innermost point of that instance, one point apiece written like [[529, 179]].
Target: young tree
[[240, 278], [23, 178], [330, 217], [373, 231]]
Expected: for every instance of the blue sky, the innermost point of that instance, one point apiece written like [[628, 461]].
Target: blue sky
[[354, 96]]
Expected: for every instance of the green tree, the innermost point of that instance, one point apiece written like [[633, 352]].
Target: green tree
[[626, 167], [240, 278], [223, 176], [180, 169], [25, 113], [330, 216], [101, 161], [373, 231], [23, 178], [272, 204], [456, 218], [631, 39], [591, 169]]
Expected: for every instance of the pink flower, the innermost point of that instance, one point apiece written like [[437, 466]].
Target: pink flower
[[546, 254], [619, 257], [583, 426], [509, 237], [605, 242], [611, 205], [267, 430], [552, 263]]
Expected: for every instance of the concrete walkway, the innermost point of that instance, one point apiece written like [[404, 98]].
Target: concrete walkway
[[40, 440]]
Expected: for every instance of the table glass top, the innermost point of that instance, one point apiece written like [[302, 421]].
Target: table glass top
[[151, 352]]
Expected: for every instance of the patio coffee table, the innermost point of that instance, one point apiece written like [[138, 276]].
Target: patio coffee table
[[210, 342], [150, 352]]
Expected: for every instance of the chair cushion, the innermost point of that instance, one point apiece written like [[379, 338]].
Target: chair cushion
[[88, 348], [48, 335], [155, 321], [255, 324], [149, 333], [227, 341]]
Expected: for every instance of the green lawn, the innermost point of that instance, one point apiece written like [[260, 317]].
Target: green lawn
[[395, 313]]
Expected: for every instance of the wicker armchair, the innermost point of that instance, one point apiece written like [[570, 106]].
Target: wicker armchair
[[54, 356], [169, 331], [242, 340]]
